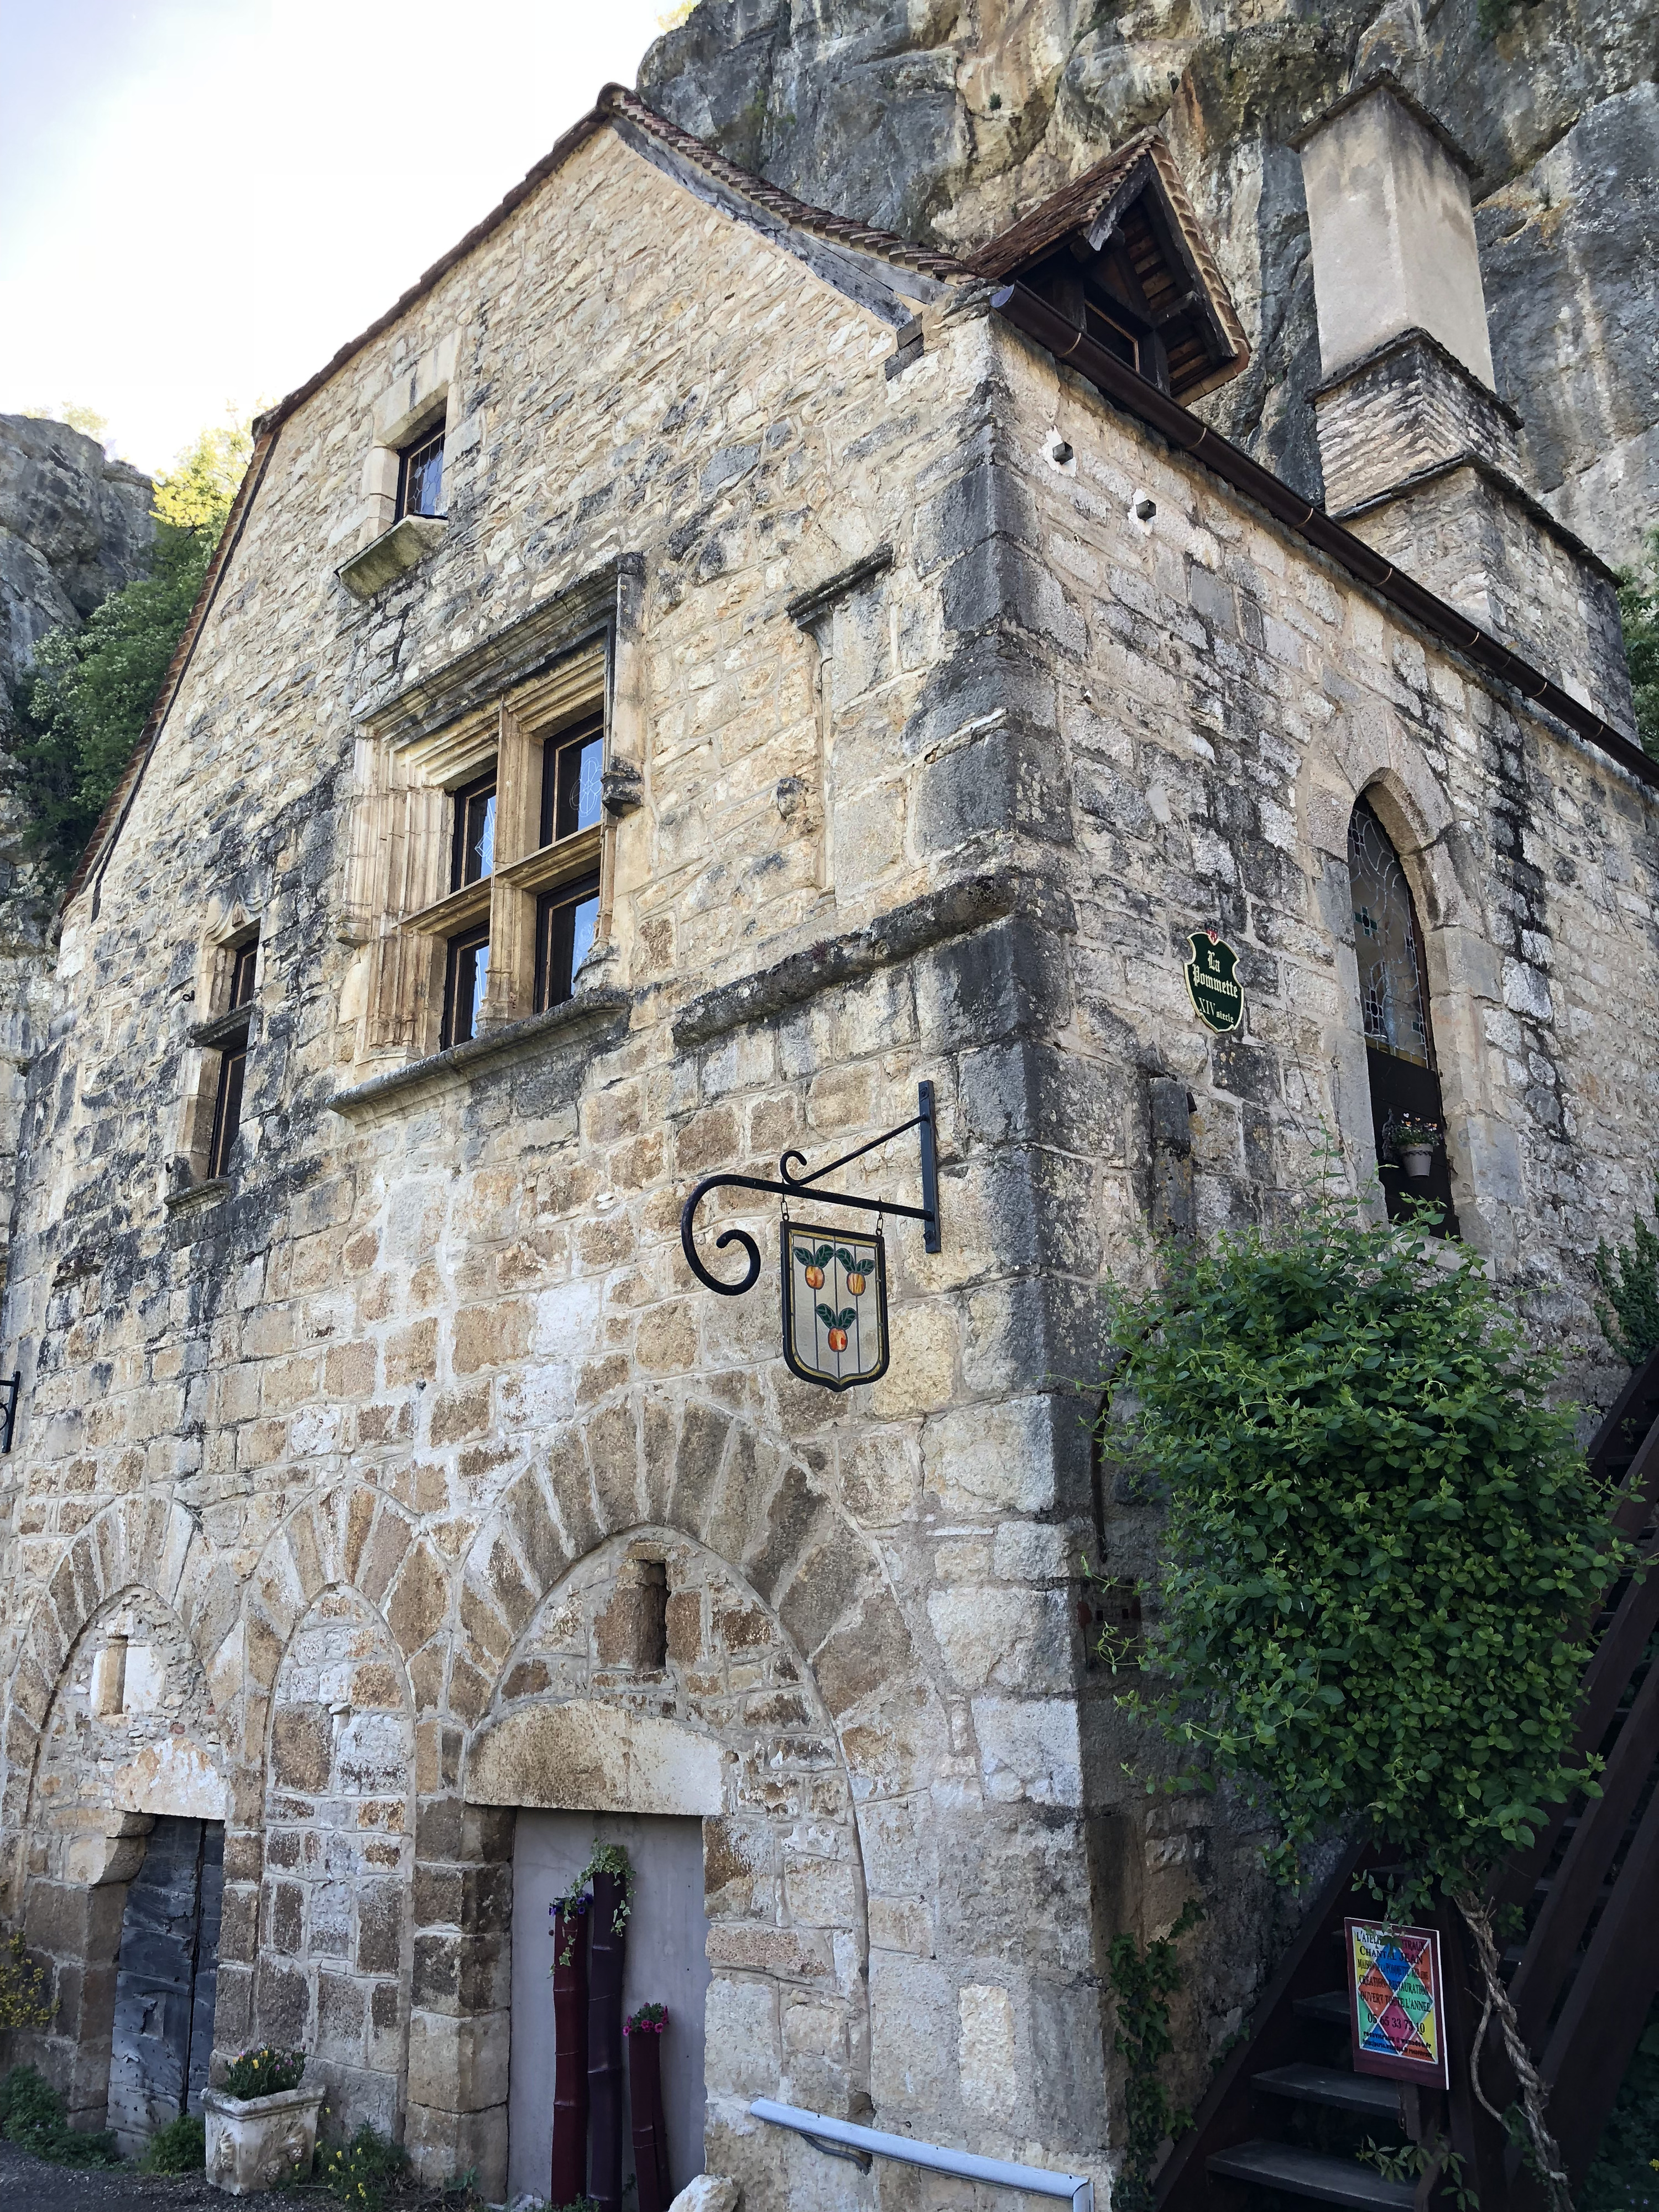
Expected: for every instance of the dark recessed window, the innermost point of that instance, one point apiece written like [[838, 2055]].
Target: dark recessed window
[[565, 922], [467, 973], [241, 975], [233, 1062], [1112, 335], [421, 476], [472, 857], [227, 1108], [570, 780]]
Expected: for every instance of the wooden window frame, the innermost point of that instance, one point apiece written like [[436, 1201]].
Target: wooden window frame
[[402, 879], [457, 950], [575, 893]]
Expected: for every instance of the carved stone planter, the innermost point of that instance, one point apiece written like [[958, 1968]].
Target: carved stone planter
[[254, 2143]]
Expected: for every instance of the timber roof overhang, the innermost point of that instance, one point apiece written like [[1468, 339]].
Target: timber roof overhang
[[1120, 254]]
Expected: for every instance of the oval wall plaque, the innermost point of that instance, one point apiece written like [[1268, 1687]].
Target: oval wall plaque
[[1212, 985]]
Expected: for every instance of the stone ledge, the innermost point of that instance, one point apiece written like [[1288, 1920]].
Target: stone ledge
[[442, 1070], [952, 912], [392, 554], [806, 606], [198, 1193], [223, 1030]]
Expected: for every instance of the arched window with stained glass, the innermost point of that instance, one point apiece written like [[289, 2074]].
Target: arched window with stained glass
[[1406, 1112]]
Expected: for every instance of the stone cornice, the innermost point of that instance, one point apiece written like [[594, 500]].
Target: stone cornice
[[538, 1034]]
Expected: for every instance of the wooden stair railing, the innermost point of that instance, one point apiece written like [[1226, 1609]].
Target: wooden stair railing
[[1285, 2113]]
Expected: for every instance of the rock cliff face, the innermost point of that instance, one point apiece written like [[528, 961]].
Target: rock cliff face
[[945, 120], [73, 526]]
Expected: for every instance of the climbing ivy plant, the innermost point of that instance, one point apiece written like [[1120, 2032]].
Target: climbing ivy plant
[[1144, 1978], [1381, 1549], [1629, 1274]]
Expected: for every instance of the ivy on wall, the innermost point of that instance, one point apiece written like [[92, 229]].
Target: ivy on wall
[[1381, 1546]]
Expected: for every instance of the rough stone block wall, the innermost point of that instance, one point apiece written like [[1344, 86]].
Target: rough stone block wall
[[1410, 407], [382, 1423]]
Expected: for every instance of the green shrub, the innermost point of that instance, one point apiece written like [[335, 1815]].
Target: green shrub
[[360, 2171], [263, 2072], [24, 2002], [1382, 1549], [1630, 1276], [1638, 605], [32, 2116], [179, 2147]]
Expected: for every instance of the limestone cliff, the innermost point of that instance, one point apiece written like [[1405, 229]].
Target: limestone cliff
[[74, 525], [946, 118]]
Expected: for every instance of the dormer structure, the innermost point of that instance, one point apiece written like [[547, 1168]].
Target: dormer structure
[[1120, 253]]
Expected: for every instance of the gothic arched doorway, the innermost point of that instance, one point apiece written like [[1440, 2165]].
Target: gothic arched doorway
[[1394, 1004]]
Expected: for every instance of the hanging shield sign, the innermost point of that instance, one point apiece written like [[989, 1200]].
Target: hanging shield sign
[[835, 1305], [1216, 995]]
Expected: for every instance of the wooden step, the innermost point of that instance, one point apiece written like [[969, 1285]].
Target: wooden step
[[1330, 2008], [1325, 2085], [1313, 2173]]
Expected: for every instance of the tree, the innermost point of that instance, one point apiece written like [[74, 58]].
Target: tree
[[1382, 1550], [1639, 604], [82, 707]]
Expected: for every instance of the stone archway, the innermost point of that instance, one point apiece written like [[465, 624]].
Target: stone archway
[[126, 1817], [653, 1684]]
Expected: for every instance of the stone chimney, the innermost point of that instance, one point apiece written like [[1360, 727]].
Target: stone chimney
[[1419, 454]]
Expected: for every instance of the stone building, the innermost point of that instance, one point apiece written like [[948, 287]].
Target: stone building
[[696, 670]]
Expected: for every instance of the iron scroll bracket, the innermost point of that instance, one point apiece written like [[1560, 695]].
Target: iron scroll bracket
[[792, 1181], [10, 1388]]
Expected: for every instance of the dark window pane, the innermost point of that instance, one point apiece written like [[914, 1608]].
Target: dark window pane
[[565, 922], [467, 977], [572, 765], [1393, 997], [474, 854], [227, 1110], [421, 477], [241, 975]]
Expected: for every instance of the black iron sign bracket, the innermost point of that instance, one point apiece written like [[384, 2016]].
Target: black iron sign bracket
[[793, 1183]]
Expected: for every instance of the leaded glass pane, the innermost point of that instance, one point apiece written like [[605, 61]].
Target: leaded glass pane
[[1391, 997]]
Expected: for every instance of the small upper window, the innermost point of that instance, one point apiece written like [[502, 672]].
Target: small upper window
[[472, 856], [570, 780], [421, 476], [241, 975]]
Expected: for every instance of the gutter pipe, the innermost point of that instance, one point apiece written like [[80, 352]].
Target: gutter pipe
[[841, 2139], [1129, 389]]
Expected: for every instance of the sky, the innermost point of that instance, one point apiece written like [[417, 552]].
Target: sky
[[201, 200]]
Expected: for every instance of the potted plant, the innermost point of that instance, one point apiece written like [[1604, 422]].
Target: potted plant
[[643, 2030], [261, 2125], [613, 1878], [1415, 1144]]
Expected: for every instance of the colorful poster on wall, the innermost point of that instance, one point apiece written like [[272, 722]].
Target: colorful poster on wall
[[835, 1305], [1396, 2009]]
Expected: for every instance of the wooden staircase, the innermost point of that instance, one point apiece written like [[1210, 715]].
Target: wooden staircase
[[1286, 2116]]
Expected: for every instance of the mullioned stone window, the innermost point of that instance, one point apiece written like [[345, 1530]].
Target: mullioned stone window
[[480, 868]]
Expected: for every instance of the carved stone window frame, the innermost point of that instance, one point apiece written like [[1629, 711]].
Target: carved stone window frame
[[496, 706]]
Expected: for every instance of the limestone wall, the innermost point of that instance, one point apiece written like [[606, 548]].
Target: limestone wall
[[420, 1393]]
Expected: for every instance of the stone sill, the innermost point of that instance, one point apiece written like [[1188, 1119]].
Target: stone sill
[[392, 555], [442, 1070], [227, 1030], [199, 1194]]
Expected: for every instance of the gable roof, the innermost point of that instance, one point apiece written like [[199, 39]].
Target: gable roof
[[1096, 203]]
